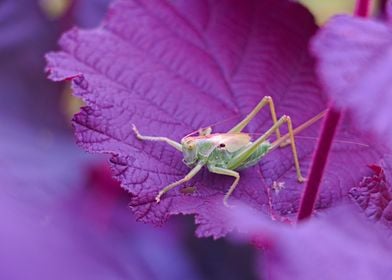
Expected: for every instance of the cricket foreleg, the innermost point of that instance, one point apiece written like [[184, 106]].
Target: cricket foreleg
[[153, 138], [246, 153], [266, 100], [187, 177], [227, 172]]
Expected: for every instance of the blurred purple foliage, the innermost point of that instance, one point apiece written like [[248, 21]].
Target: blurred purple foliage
[[85, 234], [26, 35], [339, 244]]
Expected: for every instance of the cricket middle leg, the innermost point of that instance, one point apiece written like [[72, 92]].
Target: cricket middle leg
[[172, 143], [266, 100], [187, 177], [228, 172], [246, 153]]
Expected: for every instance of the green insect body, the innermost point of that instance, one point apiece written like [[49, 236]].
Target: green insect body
[[227, 153], [218, 150]]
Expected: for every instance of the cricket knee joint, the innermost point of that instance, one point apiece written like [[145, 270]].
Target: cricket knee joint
[[286, 118], [267, 98]]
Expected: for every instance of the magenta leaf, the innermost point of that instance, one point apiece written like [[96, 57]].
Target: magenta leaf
[[374, 193], [172, 68], [340, 244], [355, 65]]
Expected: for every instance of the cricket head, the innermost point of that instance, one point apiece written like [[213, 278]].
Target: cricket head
[[189, 150], [196, 148]]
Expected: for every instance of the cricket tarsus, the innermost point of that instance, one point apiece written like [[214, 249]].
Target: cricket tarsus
[[187, 177], [226, 153], [228, 172]]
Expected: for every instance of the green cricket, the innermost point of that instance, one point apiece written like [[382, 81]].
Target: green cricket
[[227, 153]]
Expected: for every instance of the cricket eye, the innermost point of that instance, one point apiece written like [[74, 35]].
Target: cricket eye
[[222, 145]]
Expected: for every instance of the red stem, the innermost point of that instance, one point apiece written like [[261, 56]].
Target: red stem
[[362, 8], [320, 157], [319, 162]]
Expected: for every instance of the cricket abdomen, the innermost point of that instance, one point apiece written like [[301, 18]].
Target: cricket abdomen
[[222, 157], [256, 156]]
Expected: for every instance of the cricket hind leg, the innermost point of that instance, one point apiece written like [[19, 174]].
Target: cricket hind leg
[[266, 100], [239, 159], [228, 172], [187, 177], [172, 143]]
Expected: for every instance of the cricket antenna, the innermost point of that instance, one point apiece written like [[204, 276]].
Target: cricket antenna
[[335, 141], [212, 125]]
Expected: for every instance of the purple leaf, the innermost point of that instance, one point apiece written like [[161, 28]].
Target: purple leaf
[[355, 65], [336, 245], [374, 193], [172, 68]]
